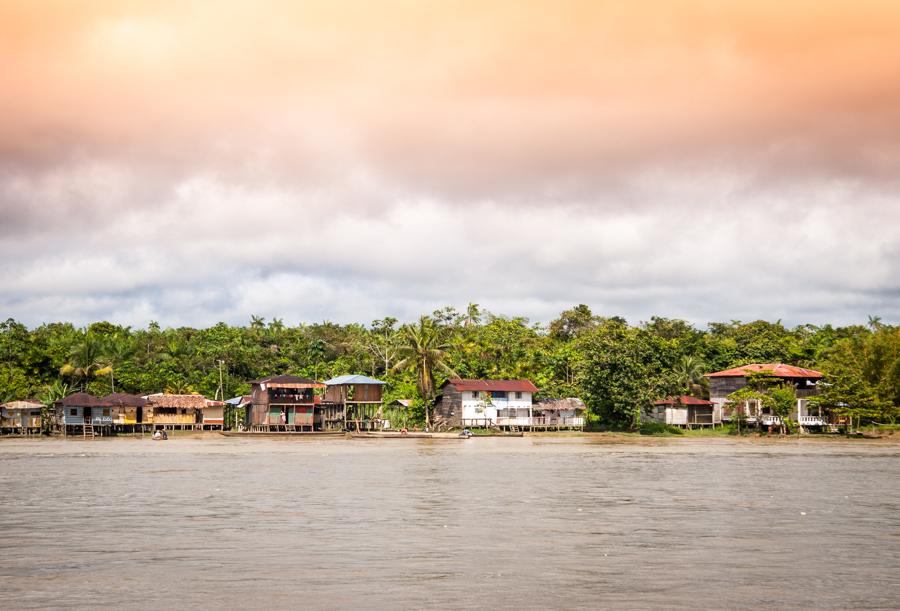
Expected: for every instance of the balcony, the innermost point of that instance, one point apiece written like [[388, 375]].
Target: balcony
[[811, 421]]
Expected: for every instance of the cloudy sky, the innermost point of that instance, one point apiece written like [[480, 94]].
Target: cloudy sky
[[191, 162]]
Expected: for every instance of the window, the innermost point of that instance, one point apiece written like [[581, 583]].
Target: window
[[474, 394], [106, 411], [73, 411], [518, 395], [499, 394]]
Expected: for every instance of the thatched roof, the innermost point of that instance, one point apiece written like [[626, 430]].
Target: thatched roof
[[561, 404], [25, 404], [176, 401]]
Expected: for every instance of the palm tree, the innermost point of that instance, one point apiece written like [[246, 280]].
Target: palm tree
[[473, 315], [424, 350], [689, 375], [84, 359], [117, 351], [875, 323], [316, 352]]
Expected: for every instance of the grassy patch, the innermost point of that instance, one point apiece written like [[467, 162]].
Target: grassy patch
[[659, 429]]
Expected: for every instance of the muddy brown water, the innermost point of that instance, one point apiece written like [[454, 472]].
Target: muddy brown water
[[527, 523]]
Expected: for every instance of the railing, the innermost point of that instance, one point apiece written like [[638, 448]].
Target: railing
[[811, 421], [541, 421], [769, 420], [476, 423], [291, 400]]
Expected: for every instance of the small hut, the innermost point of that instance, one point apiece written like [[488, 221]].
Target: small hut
[[561, 413], [127, 410], [165, 411], [360, 399], [685, 411], [83, 412], [213, 415], [21, 416]]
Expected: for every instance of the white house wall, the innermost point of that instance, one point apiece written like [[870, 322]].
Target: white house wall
[[477, 408]]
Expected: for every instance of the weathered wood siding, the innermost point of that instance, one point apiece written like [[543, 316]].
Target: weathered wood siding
[[448, 408]]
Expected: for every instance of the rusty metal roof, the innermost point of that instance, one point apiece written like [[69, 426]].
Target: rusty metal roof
[[122, 399], [683, 400], [83, 399], [288, 381], [491, 385], [778, 370]]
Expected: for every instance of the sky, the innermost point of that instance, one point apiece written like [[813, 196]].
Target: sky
[[191, 162]]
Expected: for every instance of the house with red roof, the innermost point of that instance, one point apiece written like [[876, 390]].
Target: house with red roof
[[685, 411], [804, 381], [485, 403]]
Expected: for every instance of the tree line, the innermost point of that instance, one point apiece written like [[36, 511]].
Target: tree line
[[618, 369]]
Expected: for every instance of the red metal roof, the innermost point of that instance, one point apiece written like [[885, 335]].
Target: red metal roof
[[779, 370], [491, 385], [683, 400]]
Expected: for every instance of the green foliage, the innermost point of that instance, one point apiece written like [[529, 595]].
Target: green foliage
[[659, 429], [617, 368]]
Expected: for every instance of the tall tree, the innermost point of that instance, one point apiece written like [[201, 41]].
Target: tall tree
[[424, 350]]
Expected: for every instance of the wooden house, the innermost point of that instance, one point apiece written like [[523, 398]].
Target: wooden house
[[359, 402], [166, 411], [560, 413], [213, 415], [21, 417], [287, 403], [485, 403], [685, 411], [127, 410], [84, 413], [804, 381]]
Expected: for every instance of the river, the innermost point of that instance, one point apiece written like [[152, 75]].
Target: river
[[524, 523]]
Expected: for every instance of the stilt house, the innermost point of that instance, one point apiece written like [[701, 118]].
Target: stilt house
[[285, 403], [359, 402], [127, 410], [175, 411], [21, 416], [81, 412], [685, 411], [483, 403], [804, 381]]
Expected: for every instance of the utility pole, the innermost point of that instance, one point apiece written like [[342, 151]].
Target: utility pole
[[221, 390]]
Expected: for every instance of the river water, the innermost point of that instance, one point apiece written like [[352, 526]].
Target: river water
[[528, 523]]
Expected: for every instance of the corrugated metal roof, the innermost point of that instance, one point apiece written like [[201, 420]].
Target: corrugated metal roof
[[238, 401], [288, 379], [124, 400], [779, 370], [683, 400], [489, 385], [83, 399], [352, 379]]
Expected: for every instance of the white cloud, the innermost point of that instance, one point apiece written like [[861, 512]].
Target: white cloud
[[204, 249]]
